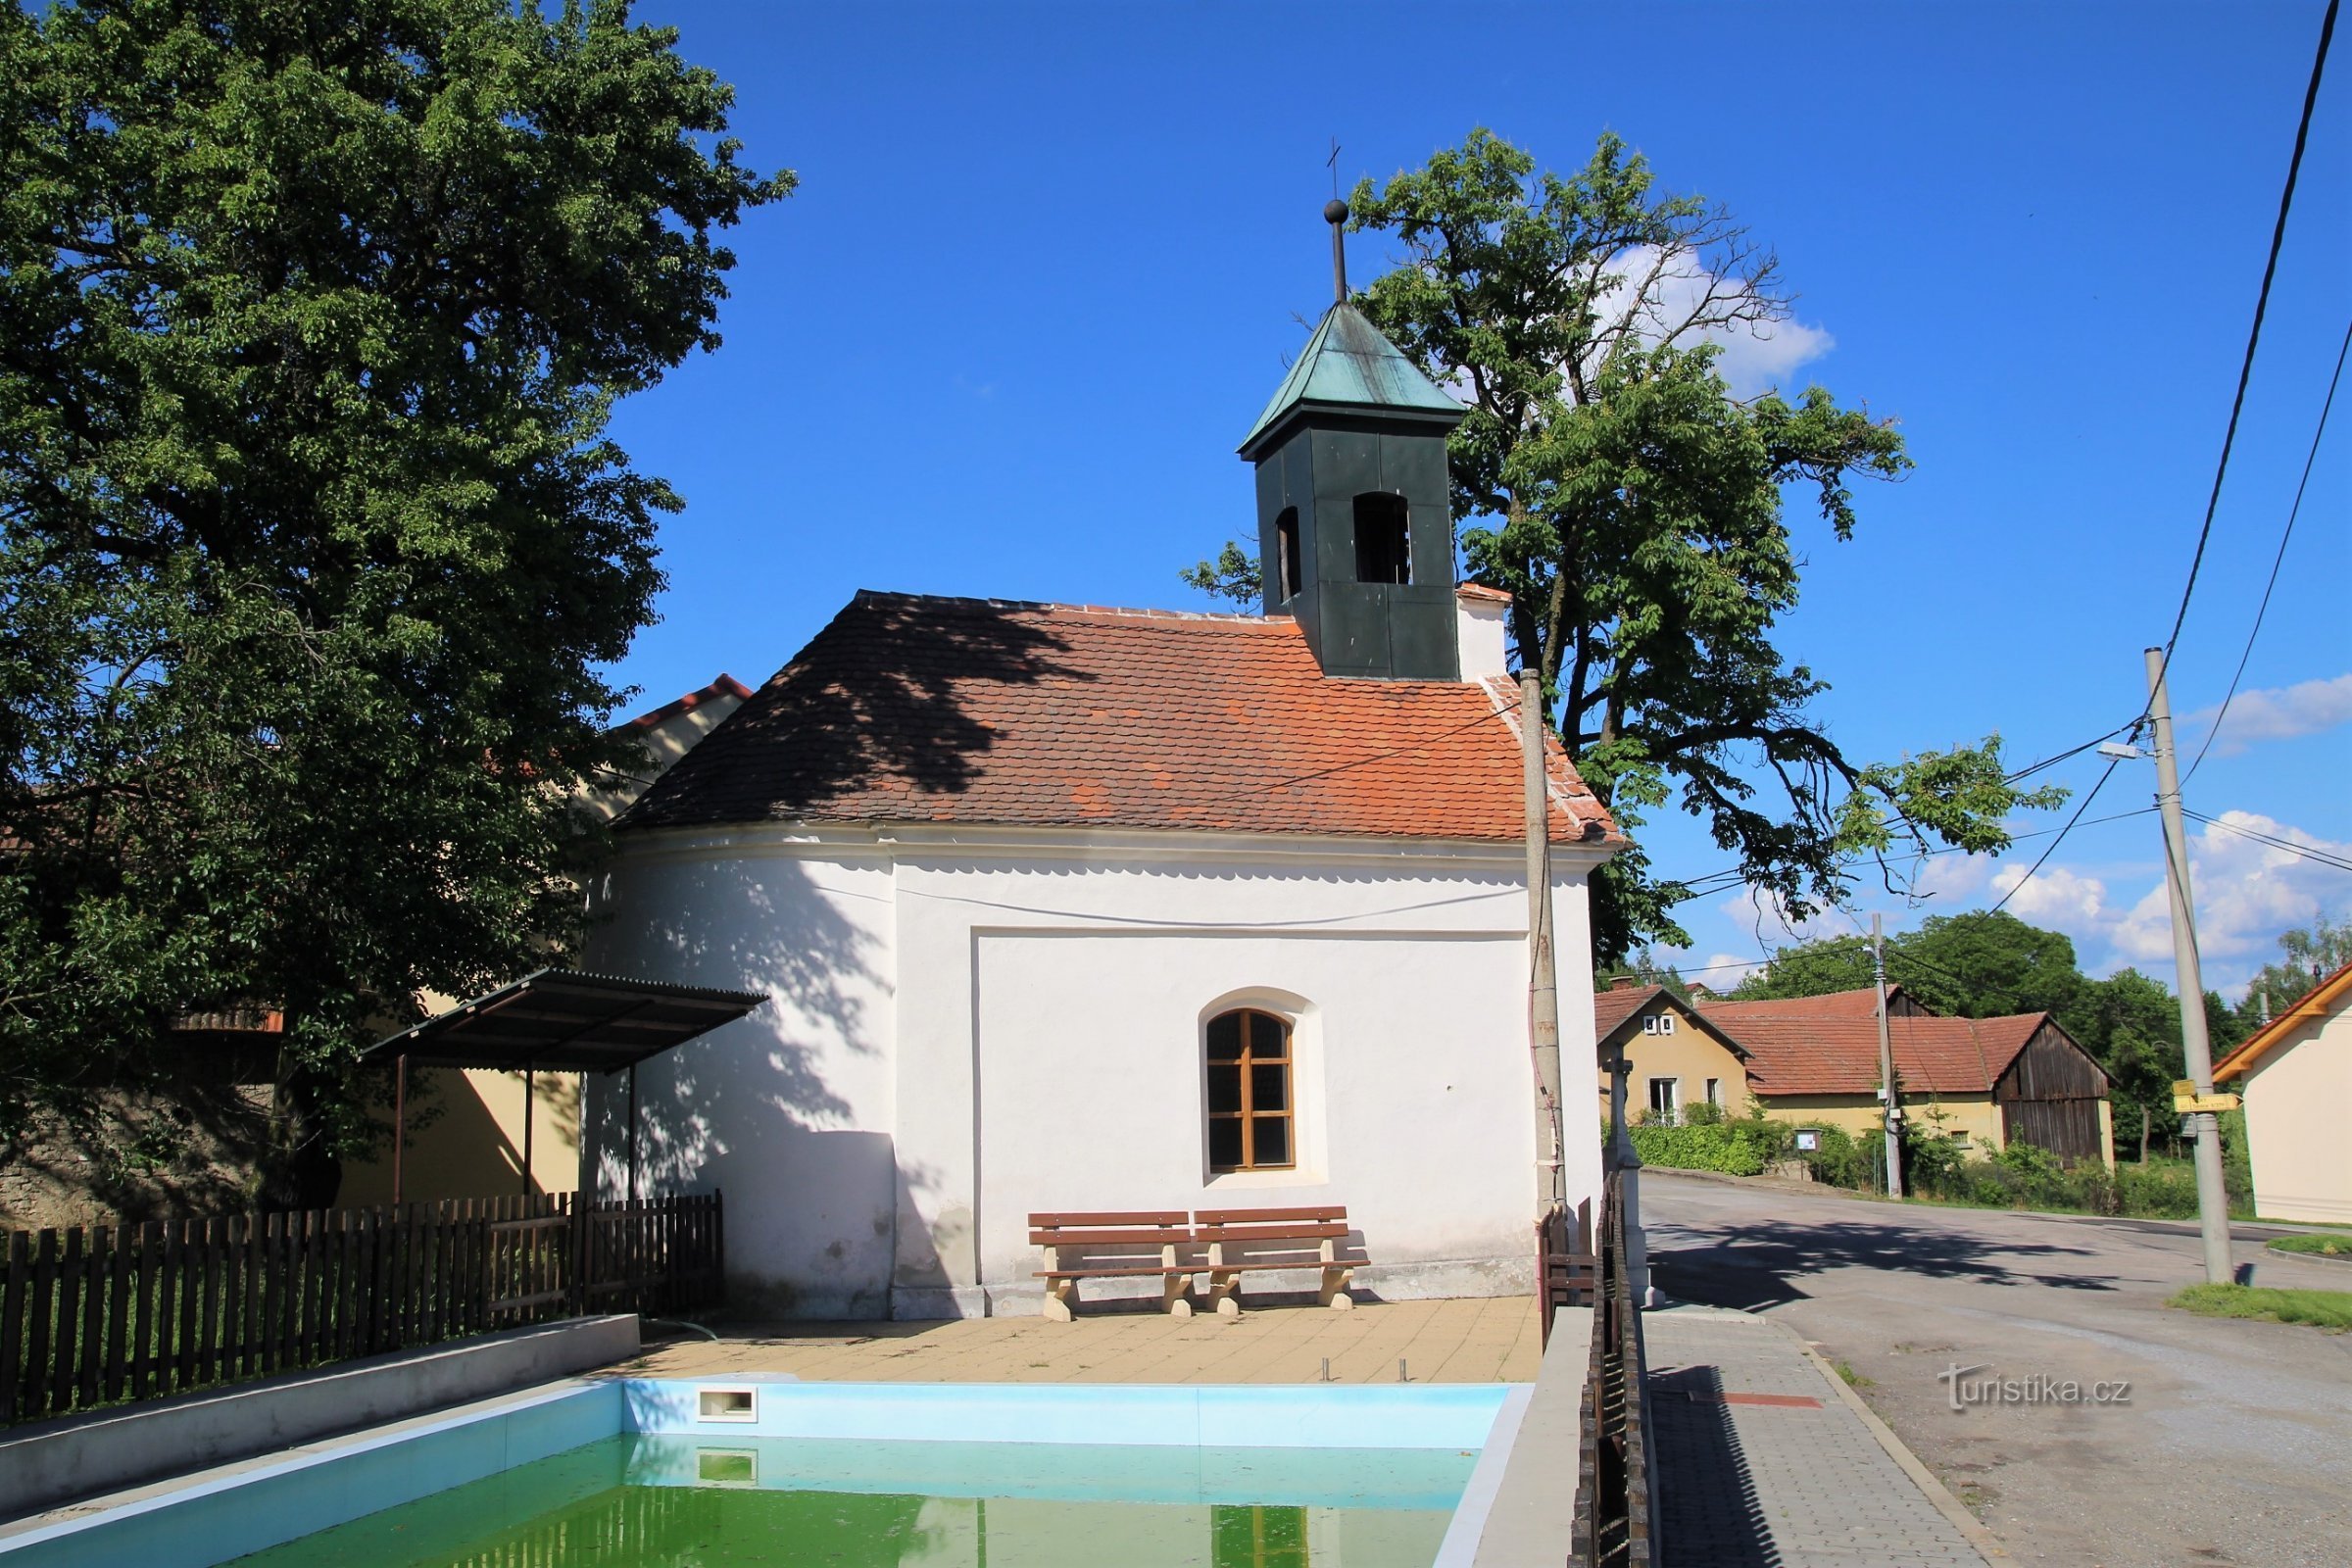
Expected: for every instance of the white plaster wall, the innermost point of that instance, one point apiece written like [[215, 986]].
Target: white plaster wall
[[974, 1025], [2298, 1102], [789, 1111], [1417, 1074]]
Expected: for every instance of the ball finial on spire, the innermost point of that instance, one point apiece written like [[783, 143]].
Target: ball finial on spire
[[1334, 211]]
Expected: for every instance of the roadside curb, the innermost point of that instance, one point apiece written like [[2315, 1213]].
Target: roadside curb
[[1951, 1507]]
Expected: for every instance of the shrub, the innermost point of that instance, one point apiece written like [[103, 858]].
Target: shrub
[[2158, 1189], [1716, 1146]]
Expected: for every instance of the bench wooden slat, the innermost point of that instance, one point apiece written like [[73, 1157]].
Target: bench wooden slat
[[1106, 1273], [1286, 1232], [1107, 1217], [1085, 1239], [1220, 1216]]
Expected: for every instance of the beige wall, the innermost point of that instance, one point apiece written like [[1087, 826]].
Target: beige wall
[[1975, 1115], [1689, 1054], [470, 1143], [2298, 1104]]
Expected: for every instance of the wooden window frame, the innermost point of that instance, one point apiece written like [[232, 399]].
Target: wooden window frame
[[1250, 1115]]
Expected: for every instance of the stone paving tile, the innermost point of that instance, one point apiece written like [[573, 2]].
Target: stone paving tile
[[1765, 1485], [1441, 1342]]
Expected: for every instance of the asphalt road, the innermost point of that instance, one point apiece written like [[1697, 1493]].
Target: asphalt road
[[2235, 1444]]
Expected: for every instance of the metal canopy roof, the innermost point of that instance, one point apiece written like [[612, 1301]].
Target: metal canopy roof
[[566, 1022]]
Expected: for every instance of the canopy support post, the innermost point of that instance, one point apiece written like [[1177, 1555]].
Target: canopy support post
[[400, 1118], [530, 1118], [633, 1132]]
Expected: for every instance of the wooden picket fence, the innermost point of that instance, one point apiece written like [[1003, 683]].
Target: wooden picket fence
[[101, 1315]]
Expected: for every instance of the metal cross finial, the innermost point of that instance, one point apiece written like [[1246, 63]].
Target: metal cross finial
[[1334, 213]]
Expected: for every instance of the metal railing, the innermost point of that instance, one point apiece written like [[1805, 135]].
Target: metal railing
[[1614, 1523]]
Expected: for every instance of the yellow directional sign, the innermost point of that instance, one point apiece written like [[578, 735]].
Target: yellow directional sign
[[2186, 1099]]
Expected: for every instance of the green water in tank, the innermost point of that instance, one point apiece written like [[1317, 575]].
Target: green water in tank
[[690, 1502]]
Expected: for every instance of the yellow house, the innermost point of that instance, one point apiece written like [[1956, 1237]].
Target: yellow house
[[2296, 1076], [1676, 1058], [468, 1129]]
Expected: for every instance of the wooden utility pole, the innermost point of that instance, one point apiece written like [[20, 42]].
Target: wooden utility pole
[[1543, 981], [2212, 1203], [1890, 1114]]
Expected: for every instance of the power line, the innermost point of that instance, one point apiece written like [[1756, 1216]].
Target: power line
[[2060, 839], [2293, 512], [2030, 769], [1732, 876], [2304, 850], [2262, 300]]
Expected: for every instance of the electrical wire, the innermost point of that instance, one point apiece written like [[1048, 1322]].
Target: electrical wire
[[2032, 768], [2246, 372], [2304, 850], [2277, 560], [2060, 839]]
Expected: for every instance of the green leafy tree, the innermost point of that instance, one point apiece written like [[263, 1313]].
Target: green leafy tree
[[2307, 956], [313, 313], [1608, 479]]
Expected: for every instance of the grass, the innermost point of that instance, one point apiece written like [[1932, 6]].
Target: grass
[[2325, 1245], [2327, 1310], [1853, 1378]]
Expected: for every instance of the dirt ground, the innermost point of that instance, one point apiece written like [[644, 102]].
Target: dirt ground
[[2234, 1445]]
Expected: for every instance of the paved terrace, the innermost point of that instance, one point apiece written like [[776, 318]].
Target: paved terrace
[[1494, 1340]]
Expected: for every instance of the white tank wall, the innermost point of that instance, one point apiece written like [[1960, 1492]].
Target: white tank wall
[[971, 1028]]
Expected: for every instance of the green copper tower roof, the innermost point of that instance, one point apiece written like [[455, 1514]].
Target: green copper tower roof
[[1350, 367]]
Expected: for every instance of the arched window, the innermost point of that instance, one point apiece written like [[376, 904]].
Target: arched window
[[1382, 551], [1285, 538], [1250, 1126]]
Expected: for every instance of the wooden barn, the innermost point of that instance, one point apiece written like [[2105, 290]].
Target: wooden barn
[[1984, 1082]]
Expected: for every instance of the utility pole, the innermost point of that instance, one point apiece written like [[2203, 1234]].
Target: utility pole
[[2213, 1206], [1890, 1114], [1543, 981]]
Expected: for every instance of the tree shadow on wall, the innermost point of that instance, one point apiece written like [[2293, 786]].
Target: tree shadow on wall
[[880, 700], [764, 925]]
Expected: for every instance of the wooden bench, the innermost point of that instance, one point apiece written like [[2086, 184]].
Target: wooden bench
[[1247, 1240], [1108, 1246]]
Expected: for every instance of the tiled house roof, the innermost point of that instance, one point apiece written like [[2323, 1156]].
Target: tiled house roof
[[1611, 1008], [1859, 1004], [911, 709], [1835, 1054]]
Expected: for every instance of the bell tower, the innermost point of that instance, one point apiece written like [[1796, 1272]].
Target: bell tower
[[1354, 526]]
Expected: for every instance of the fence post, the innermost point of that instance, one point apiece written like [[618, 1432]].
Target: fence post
[[13, 1291]]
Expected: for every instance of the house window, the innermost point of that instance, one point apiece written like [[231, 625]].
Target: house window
[[1659, 1023], [1250, 1126], [1381, 545], [1665, 1099], [1286, 548]]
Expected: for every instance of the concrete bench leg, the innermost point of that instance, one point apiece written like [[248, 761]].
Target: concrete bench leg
[[1060, 1294], [1334, 1290]]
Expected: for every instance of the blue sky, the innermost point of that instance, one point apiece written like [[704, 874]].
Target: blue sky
[[1046, 262]]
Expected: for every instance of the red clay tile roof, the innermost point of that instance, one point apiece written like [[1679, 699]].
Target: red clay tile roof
[[911, 709], [1611, 1009], [725, 685], [1862, 1004], [1829, 1053], [1474, 590]]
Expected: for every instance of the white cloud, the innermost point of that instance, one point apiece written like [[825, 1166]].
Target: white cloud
[[2246, 894], [2056, 897], [1756, 356], [1724, 970], [2278, 713]]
